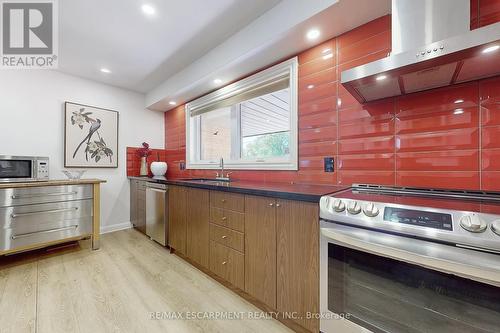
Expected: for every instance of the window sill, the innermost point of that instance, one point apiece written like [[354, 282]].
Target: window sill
[[249, 166]]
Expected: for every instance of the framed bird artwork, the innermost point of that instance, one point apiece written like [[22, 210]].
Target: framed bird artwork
[[90, 137]]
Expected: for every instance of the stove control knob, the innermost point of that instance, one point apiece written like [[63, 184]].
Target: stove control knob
[[338, 206], [495, 227], [324, 203], [472, 223], [354, 208], [371, 210]]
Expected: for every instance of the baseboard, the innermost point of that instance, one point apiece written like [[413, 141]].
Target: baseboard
[[115, 227]]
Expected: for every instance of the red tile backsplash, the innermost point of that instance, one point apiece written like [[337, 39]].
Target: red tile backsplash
[[455, 160], [366, 162], [443, 140], [365, 31], [447, 137], [439, 179], [484, 12], [490, 137], [366, 177], [490, 160], [373, 44], [384, 144]]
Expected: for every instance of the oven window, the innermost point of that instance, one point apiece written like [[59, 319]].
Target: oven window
[[385, 295], [15, 169]]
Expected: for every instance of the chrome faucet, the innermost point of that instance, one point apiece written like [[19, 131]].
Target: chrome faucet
[[220, 176]]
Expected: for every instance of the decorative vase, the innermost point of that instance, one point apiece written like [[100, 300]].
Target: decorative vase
[[144, 167], [159, 169]]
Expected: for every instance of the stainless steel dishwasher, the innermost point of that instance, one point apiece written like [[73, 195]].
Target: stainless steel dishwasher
[[156, 212]]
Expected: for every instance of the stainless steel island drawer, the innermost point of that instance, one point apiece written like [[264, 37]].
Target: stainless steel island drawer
[[31, 218], [35, 195], [11, 239]]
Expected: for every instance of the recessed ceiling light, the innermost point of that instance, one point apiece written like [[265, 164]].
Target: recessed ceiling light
[[172, 103], [381, 77], [328, 56], [105, 70], [217, 81], [313, 34], [491, 48], [458, 111], [310, 86], [148, 9], [459, 101]]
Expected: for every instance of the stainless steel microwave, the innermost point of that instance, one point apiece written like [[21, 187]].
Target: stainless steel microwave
[[23, 169]]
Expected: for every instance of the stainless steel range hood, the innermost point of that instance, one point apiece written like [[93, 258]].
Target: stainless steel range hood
[[432, 46]]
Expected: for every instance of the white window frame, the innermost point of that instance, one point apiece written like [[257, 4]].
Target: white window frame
[[193, 143]]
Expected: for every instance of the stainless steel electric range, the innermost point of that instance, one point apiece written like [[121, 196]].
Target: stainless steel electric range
[[409, 260]]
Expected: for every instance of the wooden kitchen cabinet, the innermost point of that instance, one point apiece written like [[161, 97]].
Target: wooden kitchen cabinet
[[297, 235], [197, 216], [177, 218], [265, 246], [260, 248], [138, 204]]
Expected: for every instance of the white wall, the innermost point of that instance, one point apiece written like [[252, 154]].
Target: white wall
[[32, 123]]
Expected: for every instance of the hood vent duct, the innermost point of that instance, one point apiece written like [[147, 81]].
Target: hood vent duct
[[432, 46]]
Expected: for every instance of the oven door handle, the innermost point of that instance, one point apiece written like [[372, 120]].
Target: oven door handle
[[471, 264]]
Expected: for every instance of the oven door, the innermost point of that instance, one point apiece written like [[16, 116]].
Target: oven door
[[376, 282], [17, 169]]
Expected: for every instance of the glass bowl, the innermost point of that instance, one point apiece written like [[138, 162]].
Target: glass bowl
[[74, 175]]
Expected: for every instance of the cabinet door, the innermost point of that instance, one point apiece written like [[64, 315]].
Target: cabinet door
[[198, 215], [260, 249], [141, 207], [177, 218], [133, 202], [298, 259]]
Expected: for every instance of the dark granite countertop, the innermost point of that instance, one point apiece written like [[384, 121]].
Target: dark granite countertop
[[301, 192]]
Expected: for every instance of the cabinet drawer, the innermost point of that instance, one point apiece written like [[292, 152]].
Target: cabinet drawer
[[35, 195], [11, 239], [228, 264], [30, 218], [227, 237], [227, 200], [228, 218], [141, 185]]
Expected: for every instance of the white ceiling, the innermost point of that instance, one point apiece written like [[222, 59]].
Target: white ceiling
[[143, 51], [276, 35]]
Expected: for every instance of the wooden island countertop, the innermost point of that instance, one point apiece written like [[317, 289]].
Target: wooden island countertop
[[54, 182]]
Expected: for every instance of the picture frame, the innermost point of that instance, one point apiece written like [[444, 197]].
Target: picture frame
[[90, 136]]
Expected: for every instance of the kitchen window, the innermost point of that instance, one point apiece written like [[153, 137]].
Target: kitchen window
[[251, 124]]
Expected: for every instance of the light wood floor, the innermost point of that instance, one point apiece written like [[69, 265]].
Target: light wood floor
[[114, 289]]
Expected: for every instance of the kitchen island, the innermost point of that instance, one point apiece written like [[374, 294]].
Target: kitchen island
[[40, 214]]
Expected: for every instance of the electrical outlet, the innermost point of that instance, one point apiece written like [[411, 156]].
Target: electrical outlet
[[329, 165]]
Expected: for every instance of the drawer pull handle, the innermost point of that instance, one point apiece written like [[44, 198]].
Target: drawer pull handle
[[44, 231], [224, 218], [52, 211], [224, 237], [224, 262], [37, 195]]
